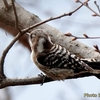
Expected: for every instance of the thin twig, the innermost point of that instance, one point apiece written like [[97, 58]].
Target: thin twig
[[52, 18], [86, 4], [6, 5], [6, 51], [2, 59], [16, 17], [97, 6], [86, 38], [76, 37]]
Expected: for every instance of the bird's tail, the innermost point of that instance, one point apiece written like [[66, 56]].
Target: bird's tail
[[95, 66]]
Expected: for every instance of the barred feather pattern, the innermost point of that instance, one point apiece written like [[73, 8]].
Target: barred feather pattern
[[60, 58]]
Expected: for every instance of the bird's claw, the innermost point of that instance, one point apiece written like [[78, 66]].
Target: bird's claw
[[43, 77]]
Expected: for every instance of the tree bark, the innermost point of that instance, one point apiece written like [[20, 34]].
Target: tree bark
[[26, 19]]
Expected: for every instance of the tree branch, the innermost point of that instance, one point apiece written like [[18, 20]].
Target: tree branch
[[38, 80]]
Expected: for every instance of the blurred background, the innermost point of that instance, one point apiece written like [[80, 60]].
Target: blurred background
[[19, 65]]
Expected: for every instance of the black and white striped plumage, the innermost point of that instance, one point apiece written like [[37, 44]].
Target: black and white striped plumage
[[54, 60]]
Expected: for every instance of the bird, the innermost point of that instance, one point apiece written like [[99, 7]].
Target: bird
[[55, 60]]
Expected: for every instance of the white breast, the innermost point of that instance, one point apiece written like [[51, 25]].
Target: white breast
[[40, 47]]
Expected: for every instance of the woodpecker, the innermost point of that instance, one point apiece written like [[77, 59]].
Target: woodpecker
[[53, 59]]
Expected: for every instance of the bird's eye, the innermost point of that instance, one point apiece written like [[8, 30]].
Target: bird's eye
[[32, 35]]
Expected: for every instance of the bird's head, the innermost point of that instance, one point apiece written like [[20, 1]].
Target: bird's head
[[40, 41]]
